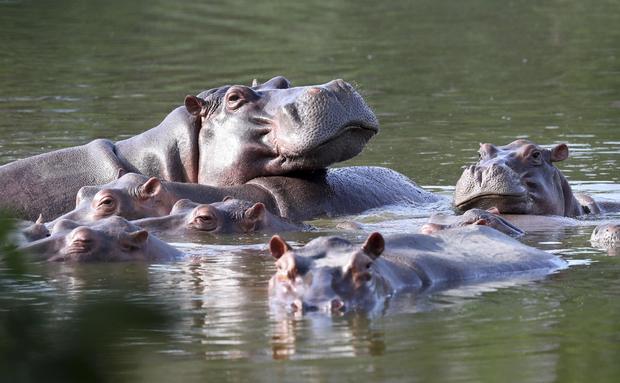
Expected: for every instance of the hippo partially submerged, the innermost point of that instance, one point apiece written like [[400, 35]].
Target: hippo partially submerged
[[225, 136], [520, 178], [225, 217], [606, 236], [330, 273], [330, 192], [491, 218], [111, 239]]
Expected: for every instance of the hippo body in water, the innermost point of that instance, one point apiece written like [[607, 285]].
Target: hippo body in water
[[331, 274], [329, 192], [227, 217], [520, 178], [225, 136], [111, 239]]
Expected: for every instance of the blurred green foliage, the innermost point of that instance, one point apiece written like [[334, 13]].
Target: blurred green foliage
[[85, 346]]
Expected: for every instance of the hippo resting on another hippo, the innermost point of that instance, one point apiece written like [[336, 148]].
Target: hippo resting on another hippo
[[108, 240], [226, 217], [330, 192], [520, 178], [226, 136], [331, 274]]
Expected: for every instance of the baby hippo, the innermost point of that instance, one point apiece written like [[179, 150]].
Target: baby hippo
[[606, 236], [475, 216], [111, 239], [226, 217], [131, 196]]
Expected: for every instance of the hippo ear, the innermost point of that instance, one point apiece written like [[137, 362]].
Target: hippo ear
[[278, 246], [135, 240], [255, 83], [256, 212], [494, 210], [374, 245], [120, 172], [195, 105], [559, 153], [150, 188], [39, 220]]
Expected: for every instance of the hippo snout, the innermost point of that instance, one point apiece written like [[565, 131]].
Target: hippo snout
[[491, 180]]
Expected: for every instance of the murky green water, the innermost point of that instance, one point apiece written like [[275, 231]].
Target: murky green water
[[441, 75]]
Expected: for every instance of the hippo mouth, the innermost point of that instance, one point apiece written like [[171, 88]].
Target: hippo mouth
[[505, 203], [347, 143]]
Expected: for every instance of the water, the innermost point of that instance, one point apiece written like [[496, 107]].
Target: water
[[441, 76]]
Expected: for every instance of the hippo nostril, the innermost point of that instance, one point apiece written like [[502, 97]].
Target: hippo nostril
[[337, 304]]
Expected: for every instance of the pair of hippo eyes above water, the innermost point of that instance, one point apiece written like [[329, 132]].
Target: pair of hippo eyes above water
[[535, 155]]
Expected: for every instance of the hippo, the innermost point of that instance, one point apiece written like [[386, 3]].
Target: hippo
[[606, 236], [226, 217], [110, 239], [491, 218], [329, 192], [331, 274], [520, 178], [225, 136]]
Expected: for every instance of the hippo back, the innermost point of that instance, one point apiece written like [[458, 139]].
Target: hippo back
[[467, 253]]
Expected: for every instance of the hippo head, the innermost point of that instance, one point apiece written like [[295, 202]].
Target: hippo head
[[518, 178], [111, 239], [606, 236], [490, 217], [229, 216], [275, 129], [328, 274], [131, 196]]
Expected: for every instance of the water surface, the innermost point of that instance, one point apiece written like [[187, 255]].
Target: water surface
[[441, 76]]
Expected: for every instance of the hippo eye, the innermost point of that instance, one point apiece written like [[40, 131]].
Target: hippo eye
[[106, 203], [536, 156], [368, 265]]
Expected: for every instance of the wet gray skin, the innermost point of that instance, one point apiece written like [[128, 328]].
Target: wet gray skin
[[332, 274], [224, 136], [226, 217], [519, 178], [490, 218], [332, 192], [111, 239], [606, 236]]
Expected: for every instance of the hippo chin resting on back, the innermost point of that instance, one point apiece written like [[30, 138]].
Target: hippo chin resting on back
[[111, 239], [331, 274], [224, 136], [520, 178]]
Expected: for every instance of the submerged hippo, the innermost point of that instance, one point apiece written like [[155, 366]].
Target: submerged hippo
[[224, 136], [606, 236], [108, 240], [520, 178], [491, 218], [330, 192], [226, 217], [330, 273]]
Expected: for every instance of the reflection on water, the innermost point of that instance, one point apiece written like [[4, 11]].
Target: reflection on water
[[441, 76]]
